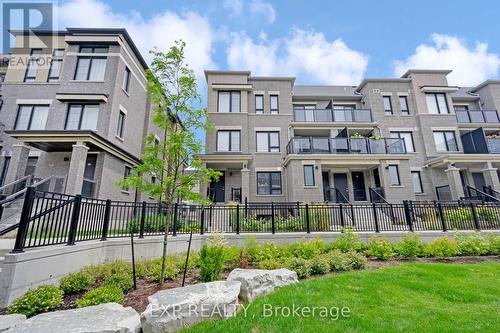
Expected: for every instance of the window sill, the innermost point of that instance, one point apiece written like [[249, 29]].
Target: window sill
[[125, 192], [310, 187], [389, 115], [420, 194], [396, 186], [86, 81], [119, 138], [126, 92], [269, 195]]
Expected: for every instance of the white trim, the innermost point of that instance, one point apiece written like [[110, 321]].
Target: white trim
[[392, 162], [443, 128], [267, 129], [438, 89], [34, 101], [270, 169], [97, 55], [403, 94], [228, 127], [233, 86], [403, 129], [416, 169], [34, 153], [386, 93], [258, 92], [7, 153], [273, 92], [304, 103], [122, 108], [309, 162]]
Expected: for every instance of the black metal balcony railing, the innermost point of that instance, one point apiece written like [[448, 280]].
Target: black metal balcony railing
[[333, 115], [477, 116], [322, 145]]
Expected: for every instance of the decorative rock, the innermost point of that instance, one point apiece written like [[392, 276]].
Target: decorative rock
[[257, 282], [173, 309], [102, 318], [8, 321]]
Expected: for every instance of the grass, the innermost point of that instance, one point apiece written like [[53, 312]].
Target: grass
[[406, 298]]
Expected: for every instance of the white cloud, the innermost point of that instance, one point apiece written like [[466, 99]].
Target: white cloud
[[235, 7], [260, 7], [306, 54], [470, 65], [159, 31]]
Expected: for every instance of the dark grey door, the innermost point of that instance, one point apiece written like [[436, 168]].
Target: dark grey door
[[358, 186], [340, 183], [326, 187], [479, 182], [217, 189], [88, 186]]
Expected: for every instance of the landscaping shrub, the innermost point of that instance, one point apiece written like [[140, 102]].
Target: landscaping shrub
[[410, 246], [320, 264], [442, 247], [472, 245], [380, 248], [319, 217], [37, 300], [270, 264], [231, 256], [120, 280], [76, 282], [348, 241], [251, 247], [487, 214], [310, 248], [172, 268], [301, 266], [190, 227], [493, 244], [211, 262], [456, 217], [288, 223], [339, 262], [152, 223], [267, 250], [356, 259], [104, 294]]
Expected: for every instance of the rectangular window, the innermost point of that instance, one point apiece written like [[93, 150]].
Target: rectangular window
[[408, 139], [436, 103], [274, 104], [31, 117], [268, 141], [403, 102], [228, 141], [82, 117], [229, 101], [55, 65], [309, 175], [32, 67], [445, 141], [121, 124], [91, 68], [387, 105], [417, 182], [126, 79], [126, 173], [259, 104], [269, 183], [394, 175]]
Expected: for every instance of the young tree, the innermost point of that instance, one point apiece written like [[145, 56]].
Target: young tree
[[173, 92]]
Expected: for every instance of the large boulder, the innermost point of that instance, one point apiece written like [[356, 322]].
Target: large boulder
[[257, 282], [173, 309], [8, 321], [102, 318]]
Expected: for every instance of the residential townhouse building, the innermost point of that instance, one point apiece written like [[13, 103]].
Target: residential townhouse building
[[392, 139], [76, 112]]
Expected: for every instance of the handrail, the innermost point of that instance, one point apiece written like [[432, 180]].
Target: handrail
[[9, 229], [43, 181], [13, 196], [481, 193], [14, 182], [491, 190], [372, 190], [339, 193]]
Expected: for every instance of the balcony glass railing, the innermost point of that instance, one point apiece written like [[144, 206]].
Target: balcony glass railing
[[333, 115], [322, 145], [493, 145], [477, 116]]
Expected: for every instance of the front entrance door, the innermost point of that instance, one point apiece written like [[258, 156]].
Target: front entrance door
[[89, 184], [479, 182], [217, 190], [358, 186], [340, 183], [326, 187], [376, 177]]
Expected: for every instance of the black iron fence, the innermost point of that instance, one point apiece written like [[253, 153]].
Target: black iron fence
[[52, 218]]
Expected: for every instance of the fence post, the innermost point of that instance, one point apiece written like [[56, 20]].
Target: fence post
[[342, 222], [174, 231], [143, 220], [246, 209], [406, 206], [202, 222], [375, 217], [352, 215], [272, 218], [75, 216], [441, 217], [474, 216], [308, 227], [23, 222], [237, 219], [105, 225]]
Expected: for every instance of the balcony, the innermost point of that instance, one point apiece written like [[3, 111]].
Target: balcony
[[323, 145], [480, 141], [493, 145], [333, 115], [480, 116]]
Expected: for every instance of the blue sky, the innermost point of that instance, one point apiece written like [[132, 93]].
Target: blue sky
[[322, 42]]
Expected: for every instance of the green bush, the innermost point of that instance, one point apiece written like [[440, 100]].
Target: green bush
[[76, 282], [120, 280], [472, 245], [339, 262], [104, 294], [211, 262], [37, 300], [380, 248], [442, 247], [410, 246], [320, 264], [251, 247], [494, 244], [289, 223], [356, 259], [301, 266], [270, 264], [310, 248], [231, 256], [348, 241], [172, 268], [487, 214], [267, 250]]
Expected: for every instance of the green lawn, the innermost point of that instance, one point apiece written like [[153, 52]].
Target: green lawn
[[407, 298]]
